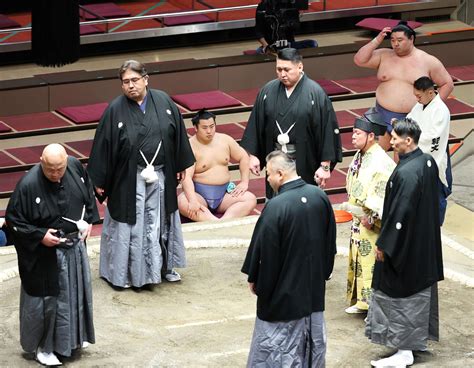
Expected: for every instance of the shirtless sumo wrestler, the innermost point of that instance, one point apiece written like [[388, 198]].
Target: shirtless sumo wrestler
[[205, 186], [397, 69]]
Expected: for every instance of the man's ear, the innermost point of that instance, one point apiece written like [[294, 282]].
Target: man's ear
[[280, 173]]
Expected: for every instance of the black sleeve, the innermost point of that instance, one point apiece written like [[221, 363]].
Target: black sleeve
[[19, 215]]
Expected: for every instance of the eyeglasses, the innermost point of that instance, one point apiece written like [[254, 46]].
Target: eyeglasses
[[134, 81]]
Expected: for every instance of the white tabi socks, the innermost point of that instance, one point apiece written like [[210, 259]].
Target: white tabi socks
[[48, 359], [400, 359]]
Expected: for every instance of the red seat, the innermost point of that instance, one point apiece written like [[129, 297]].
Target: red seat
[[205, 100], [84, 114], [6, 22], [332, 88], [186, 19], [377, 24], [105, 10], [38, 121]]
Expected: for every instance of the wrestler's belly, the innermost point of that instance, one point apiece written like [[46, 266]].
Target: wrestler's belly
[[396, 95], [215, 175]]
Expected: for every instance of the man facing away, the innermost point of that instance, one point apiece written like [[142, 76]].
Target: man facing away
[[397, 69], [50, 214], [403, 312], [433, 117], [207, 189], [140, 153], [365, 183], [293, 114], [290, 257]]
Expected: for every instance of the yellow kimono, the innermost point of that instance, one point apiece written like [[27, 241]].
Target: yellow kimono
[[365, 183]]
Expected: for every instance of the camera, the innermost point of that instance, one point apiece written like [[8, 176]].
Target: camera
[[59, 234]]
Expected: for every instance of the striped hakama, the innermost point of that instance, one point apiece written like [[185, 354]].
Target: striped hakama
[[404, 323], [61, 324], [298, 343], [136, 255]]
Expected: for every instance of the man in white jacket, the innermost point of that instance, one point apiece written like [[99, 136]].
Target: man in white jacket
[[433, 117]]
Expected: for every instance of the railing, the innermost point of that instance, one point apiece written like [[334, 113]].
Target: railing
[[142, 17], [216, 11]]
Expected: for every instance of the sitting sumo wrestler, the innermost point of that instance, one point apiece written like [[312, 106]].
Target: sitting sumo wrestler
[[207, 189]]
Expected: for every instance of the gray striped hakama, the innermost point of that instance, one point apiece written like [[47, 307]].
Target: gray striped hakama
[[404, 323], [298, 343], [61, 324], [135, 255]]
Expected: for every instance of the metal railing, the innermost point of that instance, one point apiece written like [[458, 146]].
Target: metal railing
[[217, 11]]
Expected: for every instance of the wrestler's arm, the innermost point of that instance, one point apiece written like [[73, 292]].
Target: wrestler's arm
[[368, 56], [441, 77], [188, 189], [237, 153]]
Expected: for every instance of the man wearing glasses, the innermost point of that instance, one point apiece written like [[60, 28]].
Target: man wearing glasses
[[140, 153]]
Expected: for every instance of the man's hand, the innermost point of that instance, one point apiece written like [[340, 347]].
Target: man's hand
[[379, 256], [240, 189], [381, 36], [49, 239], [180, 176], [193, 208], [252, 288], [254, 165], [321, 176], [366, 222]]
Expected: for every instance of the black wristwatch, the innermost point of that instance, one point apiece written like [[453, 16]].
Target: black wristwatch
[[326, 167]]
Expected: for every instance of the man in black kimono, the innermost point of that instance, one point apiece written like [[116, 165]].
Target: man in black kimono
[[140, 153], [293, 114], [50, 215], [291, 255], [403, 313], [275, 27]]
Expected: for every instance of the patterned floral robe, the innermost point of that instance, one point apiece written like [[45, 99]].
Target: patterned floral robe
[[365, 183]]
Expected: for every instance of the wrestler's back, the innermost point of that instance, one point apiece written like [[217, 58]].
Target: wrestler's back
[[212, 161], [396, 75]]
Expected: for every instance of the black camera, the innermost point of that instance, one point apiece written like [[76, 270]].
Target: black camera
[[59, 234]]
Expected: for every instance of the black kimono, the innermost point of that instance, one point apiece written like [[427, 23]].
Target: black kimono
[[56, 294], [315, 134], [403, 312], [115, 156], [291, 254], [37, 205], [410, 236]]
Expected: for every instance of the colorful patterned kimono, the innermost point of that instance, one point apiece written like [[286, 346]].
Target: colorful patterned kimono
[[365, 184]]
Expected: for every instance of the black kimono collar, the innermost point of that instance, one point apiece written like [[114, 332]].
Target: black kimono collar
[[291, 185], [415, 153]]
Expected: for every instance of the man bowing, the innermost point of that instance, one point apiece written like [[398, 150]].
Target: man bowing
[[50, 214], [291, 255]]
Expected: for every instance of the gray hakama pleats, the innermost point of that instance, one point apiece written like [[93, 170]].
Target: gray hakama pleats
[[37, 320], [61, 324], [298, 343], [404, 323], [135, 255]]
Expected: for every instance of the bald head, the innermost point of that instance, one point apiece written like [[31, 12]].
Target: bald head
[[54, 162]]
